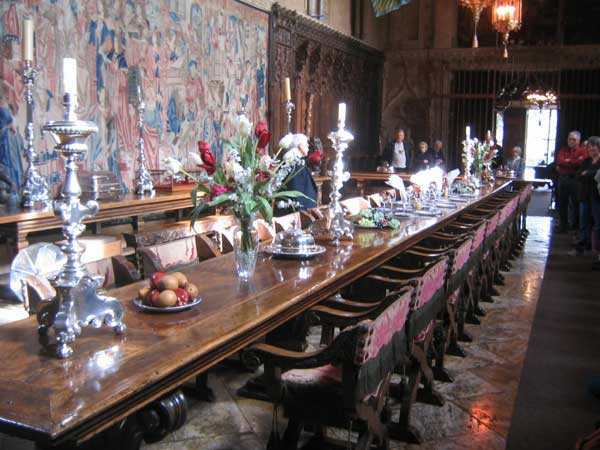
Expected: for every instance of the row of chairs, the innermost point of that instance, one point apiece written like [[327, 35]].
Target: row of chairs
[[403, 317]]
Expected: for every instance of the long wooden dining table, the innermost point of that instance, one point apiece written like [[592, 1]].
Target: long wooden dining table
[[60, 403]]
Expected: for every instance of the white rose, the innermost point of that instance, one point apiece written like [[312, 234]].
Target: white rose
[[265, 163], [286, 141], [196, 158], [172, 165], [233, 169], [244, 126]]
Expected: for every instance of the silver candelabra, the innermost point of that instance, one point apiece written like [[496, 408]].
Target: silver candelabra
[[338, 227], [77, 303], [34, 189], [143, 182], [289, 109]]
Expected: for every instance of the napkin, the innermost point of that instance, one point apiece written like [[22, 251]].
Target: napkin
[[398, 183], [452, 176]]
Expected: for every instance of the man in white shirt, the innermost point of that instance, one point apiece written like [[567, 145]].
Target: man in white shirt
[[397, 153]]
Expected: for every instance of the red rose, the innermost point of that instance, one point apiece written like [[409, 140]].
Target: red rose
[[261, 127], [207, 157], [217, 189], [489, 155], [262, 176], [315, 157], [263, 135]]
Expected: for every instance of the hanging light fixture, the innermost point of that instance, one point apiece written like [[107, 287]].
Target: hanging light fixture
[[476, 7], [506, 18]]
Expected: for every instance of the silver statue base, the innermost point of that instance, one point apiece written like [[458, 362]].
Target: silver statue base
[[77, 303]]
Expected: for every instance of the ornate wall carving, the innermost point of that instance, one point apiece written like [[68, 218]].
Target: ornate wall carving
[[325, 67]]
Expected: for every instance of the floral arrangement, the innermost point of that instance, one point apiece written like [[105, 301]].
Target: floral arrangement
[[479, 155], [246, 180]]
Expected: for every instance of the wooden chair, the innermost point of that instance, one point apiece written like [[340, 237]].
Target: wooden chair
[[426, 305], [345, 384]]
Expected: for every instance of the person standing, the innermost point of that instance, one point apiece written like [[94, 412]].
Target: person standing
[[568, 161], [424, 158], [397, 153], [589, 199], [438, 155], [516, 163]]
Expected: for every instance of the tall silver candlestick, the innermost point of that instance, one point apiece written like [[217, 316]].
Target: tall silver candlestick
[[34, 189], [143, 182], [339, 227], [76, 304], [289, 109]]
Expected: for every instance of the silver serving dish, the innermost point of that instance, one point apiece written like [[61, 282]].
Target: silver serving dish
[[294, 240], [305, 252], [173, 309]]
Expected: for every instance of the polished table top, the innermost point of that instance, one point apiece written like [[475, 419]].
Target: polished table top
[[109, 376]]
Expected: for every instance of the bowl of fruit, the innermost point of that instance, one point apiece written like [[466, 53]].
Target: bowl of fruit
[[168, 292]]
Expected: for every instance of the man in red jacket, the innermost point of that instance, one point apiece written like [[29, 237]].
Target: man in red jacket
[[568, 161]]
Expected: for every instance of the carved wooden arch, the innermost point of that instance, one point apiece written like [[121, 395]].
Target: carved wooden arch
[[325, 67]]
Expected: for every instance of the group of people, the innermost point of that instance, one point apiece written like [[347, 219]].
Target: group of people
[[578, 190], [399, 155]]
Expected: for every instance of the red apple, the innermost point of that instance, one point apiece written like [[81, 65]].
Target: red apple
[[151, 297], [155, 278], [182, 297]]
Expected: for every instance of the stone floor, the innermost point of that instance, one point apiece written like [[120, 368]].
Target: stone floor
[[479, 403]]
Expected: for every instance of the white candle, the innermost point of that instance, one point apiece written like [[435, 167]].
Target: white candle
[[70, 76], [287, 91], [28, 39], [468, 132], [342, 113]]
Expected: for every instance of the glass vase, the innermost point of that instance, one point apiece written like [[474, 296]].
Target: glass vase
[[245, 246]]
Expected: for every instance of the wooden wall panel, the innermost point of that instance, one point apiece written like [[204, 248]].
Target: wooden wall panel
[[325, 68]]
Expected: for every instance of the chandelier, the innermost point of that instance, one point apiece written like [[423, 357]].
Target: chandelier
[[506, 18], [476, 6]]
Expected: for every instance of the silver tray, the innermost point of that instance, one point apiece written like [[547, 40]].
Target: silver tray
[[457, 200], [173, 309], [289, 253]]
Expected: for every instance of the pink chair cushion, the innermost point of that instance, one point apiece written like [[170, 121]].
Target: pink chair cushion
[[432, 281], [176, 253], [319, 375], [492, 224], [461, 255], [388, 323], [103, 268], [478, 237]]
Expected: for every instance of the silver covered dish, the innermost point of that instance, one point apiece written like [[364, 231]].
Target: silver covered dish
[[294, 243]]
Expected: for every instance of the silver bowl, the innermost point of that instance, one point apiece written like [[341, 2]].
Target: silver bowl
[[294, 240]]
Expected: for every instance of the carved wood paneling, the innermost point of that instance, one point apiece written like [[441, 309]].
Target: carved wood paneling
[[325, 67]]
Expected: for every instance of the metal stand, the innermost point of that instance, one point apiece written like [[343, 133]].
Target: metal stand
[[289, 109], [143, 182], [34, 189], [76, 304], [338, 227]]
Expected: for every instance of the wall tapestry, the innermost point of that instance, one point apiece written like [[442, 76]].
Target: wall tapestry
[[201, 62]]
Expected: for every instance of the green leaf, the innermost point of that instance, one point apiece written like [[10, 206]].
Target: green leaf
[[290, 194], [220, 199], [197, 211], [265, 209]]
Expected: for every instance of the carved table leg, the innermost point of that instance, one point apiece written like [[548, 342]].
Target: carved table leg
[[202, 390], [150, 424]]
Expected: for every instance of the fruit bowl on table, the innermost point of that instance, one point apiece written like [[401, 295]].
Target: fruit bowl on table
[[168, 292], [375, 218]]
